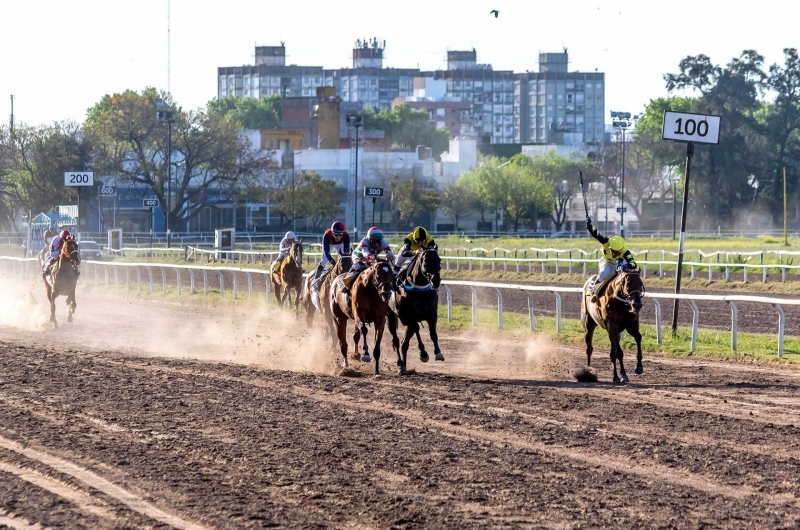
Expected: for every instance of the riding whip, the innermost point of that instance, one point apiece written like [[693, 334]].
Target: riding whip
[[583, 193]]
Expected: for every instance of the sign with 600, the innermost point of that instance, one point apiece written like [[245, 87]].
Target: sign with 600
[[79, 178], [689, 127]]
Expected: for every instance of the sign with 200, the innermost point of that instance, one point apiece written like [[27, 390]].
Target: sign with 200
[[373, 192], [79, 178]]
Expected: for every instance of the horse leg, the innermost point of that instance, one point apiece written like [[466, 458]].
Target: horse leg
[[423, 355], [297, 300], [395, 340], [71, 305], [432, 322], [363, 331], [53, 311], [357, 341], [589, 325], [276, 288], [613, 337], [376, 351], [633, 329], [341, 332]]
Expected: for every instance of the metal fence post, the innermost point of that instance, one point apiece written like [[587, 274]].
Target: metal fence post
[[150, 275], [235, 285], [499, 308], [531, 318], [249, 286], [163, 280], [474, 306], [138, 280], [449, 303], [781, 328], [221, 284], [178, 279], [558, 312], [745, 274], [764, 275], [191, 280], [268, 286], [105, 272], [659, 336], [695, 323], [205, 282], [734, 324]]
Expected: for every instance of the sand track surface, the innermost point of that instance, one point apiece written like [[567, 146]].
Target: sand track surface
[[145, 415]]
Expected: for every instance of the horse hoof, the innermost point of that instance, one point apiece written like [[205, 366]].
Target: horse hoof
[[439, 357], [366, 358], [639, 370], [616, 379], [424, 357], [625, 378], [69, 319]]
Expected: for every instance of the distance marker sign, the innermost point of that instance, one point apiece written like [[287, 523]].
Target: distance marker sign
[[689, 127], [150, 203], [79, 178]]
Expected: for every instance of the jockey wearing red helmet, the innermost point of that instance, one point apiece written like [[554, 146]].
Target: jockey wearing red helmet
[[337, 238], [55, 249]]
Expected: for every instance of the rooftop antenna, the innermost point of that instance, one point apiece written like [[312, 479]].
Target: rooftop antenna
[[169, 65]]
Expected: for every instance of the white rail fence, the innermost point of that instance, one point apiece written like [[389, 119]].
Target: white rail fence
[[30, 267]]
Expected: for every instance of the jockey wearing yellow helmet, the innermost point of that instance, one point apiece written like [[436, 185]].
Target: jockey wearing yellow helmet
[[615, 255]]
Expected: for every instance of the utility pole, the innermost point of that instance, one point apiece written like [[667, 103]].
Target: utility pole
[[622, 202], [165, 115], [785, 213], [11, 121]]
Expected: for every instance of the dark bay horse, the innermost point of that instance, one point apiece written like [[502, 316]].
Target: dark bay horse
[[367, 303], [63, 279], [616, 311], [321, 303], [418, 301], [288, 276]]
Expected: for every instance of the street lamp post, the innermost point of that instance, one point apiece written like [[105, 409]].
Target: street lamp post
[[165, 115], [355, 121], [622, 122]]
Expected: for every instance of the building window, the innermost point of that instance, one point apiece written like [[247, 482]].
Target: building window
[[560, 97], [570, 98], [550, 96], [570, 85]]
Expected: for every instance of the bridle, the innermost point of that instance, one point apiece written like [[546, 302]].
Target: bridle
[[626, 297], [375, 282], [296, 253], [427, 274]]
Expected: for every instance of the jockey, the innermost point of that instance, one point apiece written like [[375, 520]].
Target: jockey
[[615, 255], [337, 238], [365, 253], [286, 245], [55, 249], [418, 239]]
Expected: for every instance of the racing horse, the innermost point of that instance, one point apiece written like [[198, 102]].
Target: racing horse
[[418, 301], [316, 301], [288, 276], [63, 279], [617, 310], [367, 303]]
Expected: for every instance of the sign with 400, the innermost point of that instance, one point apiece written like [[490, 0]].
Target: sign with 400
[[79, 178]]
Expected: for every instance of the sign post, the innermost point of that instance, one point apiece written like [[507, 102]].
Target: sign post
[[690, 128], [152, 204], [78, 179], [374, 193]]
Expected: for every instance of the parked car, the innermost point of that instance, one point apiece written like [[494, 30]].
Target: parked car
[[91, 250], [561, 234]]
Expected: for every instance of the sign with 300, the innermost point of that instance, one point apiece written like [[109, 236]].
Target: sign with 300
[[689, 127], [79, 178], [373, 192]]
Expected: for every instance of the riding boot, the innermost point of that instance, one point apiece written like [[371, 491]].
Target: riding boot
[[349, 280], [317, 276], [593, 292]]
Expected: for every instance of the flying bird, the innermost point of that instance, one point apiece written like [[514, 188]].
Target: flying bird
[[494, 12]]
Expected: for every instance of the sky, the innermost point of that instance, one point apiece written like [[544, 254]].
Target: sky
[[60, 57]]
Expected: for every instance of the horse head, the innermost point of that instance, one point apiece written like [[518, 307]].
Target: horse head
[[71, 252], [344, 264], [630, 289], [431, 266], [296, 251], [382, 279]]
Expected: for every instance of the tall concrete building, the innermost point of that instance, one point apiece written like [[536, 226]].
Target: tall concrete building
[[556, 106], [549, 106]]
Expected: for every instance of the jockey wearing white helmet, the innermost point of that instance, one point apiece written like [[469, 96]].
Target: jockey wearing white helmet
[[286, 244]]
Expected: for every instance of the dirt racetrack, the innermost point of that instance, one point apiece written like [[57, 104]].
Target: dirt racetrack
[[145, 415]]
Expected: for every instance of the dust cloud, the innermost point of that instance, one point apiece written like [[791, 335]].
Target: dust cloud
[[256, 335]]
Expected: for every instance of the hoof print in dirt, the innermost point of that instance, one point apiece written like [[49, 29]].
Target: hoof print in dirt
[[349, 372], [587, 374]]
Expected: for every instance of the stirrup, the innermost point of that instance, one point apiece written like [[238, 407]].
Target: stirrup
[[593, 299]]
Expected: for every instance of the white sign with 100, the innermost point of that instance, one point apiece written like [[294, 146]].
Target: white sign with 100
[[690, 127]]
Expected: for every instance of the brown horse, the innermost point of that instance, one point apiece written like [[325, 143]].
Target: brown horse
[[288, 276], [323, 294], [63, 279], [616, 311], [367, 303]]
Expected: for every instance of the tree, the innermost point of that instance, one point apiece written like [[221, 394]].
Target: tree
[[528, 187], [408, 127], [36, 162], [458, 200], [410, 199], [252, 113], [210, 156], [315, 199]]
